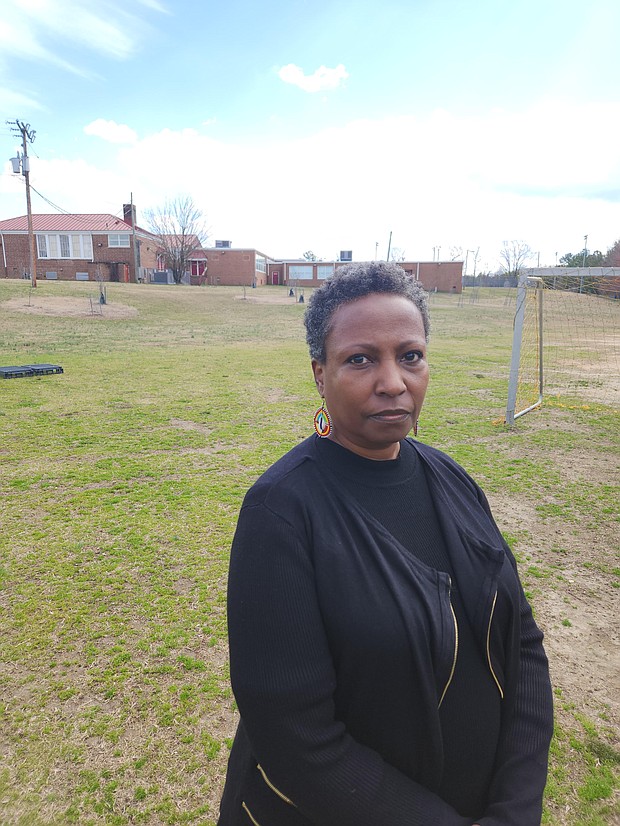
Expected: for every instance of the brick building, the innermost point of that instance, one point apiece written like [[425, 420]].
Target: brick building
[[240, 267], [442, 276], [81, 247], [236, 267], [92, 246]]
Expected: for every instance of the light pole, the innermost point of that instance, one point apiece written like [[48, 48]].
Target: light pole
[[585, 249], [22, 163], [475, 254]]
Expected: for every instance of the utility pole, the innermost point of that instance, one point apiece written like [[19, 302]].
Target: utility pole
[[27, 134], [585, 249], [134, 242]]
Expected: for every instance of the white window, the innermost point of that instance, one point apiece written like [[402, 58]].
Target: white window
[[65, 246], [81, 246], [300, 271], [324, 270], [118, 239], [261, 264]]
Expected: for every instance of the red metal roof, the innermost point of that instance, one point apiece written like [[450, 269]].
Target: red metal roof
[[66, 223]]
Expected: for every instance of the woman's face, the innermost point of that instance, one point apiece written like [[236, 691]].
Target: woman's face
[[375, 374]]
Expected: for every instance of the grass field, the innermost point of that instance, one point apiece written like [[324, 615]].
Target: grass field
[[120, 485]]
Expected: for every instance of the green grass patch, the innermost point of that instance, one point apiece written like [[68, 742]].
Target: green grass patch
[[122, 479]]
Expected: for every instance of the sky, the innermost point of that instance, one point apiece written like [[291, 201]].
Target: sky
[[437, 128]]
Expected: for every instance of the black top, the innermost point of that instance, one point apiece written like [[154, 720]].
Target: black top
[[342, 649], [396, 493]]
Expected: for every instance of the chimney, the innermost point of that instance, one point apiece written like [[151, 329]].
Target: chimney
[[129, 214]]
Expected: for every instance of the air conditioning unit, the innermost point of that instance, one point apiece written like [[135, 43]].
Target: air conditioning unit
[[222, 245], [346, 255]]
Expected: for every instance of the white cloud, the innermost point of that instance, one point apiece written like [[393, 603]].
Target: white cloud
[[15, 101], [154, 4], [28, 25], [441, 180], [319, 81], [109, 130], [19, 39], [547, 151]]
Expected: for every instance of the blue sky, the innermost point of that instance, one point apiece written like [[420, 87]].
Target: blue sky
[[326, 125]]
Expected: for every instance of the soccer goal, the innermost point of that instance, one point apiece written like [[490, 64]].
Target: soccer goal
[[566, 340]]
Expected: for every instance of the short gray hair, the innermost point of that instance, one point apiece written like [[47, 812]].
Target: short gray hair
[[356, 281]]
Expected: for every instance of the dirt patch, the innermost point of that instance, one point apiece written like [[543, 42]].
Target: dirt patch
[[183, 424], [69, 306], [576, 604], [570, 566], [266, 298]]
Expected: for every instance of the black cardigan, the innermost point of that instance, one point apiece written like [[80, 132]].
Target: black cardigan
[[326, 612]]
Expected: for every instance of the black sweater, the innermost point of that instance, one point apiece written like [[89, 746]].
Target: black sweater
[[397, 495], [342, 652]]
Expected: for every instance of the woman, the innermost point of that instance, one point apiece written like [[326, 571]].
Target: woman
[[384, 659]]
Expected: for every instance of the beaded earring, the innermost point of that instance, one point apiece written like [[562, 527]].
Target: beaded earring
[[322, 422]]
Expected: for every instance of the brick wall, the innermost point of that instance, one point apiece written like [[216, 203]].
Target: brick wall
[[444, 276], [112, 263], [234, 268], [14, 256]]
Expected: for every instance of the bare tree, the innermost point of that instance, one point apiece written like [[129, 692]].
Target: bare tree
[[180, 229], [456, 253], [513, 257], [397, 254], [310, 256]]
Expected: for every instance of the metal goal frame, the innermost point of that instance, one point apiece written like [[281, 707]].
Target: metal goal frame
[[525, 281]]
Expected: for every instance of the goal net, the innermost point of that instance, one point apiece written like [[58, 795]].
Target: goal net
[[566, 342]]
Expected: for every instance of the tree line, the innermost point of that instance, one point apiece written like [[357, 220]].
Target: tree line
[[593, 259]]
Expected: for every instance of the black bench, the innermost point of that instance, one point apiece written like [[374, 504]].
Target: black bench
[[30, 370]]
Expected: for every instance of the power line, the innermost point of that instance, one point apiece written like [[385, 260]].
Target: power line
[[51, 203]]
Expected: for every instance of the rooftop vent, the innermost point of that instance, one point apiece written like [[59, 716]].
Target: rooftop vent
[[346, 255], [225, 245]]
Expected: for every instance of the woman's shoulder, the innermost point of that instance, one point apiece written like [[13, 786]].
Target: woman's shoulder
[[444, 467], [289, 474]]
